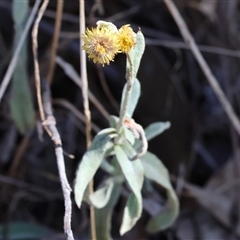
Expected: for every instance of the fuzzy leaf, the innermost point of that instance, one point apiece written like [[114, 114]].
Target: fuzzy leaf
[[137, 164], [113, 120], [103, 226], [135, 94], [136, 54], [107, 167], [129, 135], [131, 213], [91, 162], [100, 198], [155, 129], [157, 172]]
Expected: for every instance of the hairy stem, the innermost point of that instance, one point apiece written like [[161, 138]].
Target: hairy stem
[[130, 81]]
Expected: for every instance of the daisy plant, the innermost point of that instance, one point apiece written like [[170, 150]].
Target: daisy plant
[[121, 149]]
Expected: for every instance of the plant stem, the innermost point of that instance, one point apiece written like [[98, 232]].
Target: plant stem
[[86, 106], [130, 81]]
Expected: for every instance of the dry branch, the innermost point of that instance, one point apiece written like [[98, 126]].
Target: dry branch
[[83, 67], [49, 124], [189, 40]]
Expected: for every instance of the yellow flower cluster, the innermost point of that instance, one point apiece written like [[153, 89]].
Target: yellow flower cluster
[[105, 41]]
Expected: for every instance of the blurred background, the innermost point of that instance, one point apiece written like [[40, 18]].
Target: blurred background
[[200, 150]]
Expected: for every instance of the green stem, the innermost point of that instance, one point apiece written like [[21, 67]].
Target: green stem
[[130, 81]]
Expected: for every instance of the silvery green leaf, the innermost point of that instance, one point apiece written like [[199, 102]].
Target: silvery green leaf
[[128, 149], [91, 161], [20, 16], [100, 198], [103, 226], [136, 54], [136, 164], [113, 120], [133, 176], [157, 172], [135, 94], [155, 129], [130, 214], [129, 135], [107, 167]]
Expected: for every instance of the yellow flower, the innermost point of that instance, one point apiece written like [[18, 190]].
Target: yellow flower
[[126, 38], [101, 44]]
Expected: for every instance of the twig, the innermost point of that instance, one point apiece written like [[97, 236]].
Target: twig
[[73, 75], [116, 17], [49, 125], [13, 62], [173, 44], [202, 48], [204, 66], [35, 57], [16, 162], [18, 156], [28, 186], [87, 112], [75, 111], [124, 14], [55, 40], [105, 87], [84, 74]]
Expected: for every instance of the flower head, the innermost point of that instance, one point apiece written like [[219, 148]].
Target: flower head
[[105, 41], [126, 38], [101, 44]]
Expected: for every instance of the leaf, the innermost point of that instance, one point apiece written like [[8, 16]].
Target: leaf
[[155, 129], [21, 105], [20, 16], [91, 161], [103, 226], [131, 213], [157, 172], [113, 120], [100, 198], [136, 54], [135, 94], [137, 164], [25, 231], [129, 135], [107, 167], [167, 217]]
